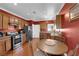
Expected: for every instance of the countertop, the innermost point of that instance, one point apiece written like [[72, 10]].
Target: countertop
[[4, 37]]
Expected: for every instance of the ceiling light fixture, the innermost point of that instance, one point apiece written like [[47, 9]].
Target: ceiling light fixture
[[34, 12]]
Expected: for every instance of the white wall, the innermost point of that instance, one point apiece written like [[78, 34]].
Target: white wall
[[35, 31]]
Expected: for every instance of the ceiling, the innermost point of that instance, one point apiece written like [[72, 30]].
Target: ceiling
[[33, 11]]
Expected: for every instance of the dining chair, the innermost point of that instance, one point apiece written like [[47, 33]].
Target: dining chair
[[72, 52]]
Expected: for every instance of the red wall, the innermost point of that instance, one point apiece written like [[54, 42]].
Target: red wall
[[70, 29]]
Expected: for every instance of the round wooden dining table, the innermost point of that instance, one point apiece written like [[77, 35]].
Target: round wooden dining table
[[52, 47]]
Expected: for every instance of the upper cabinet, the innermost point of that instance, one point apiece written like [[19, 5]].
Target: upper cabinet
[[0, 21], [22, 23], [11, 20], [26, 23], [59, 19], [43, 26], [14, 21], [20, 26], [5, 21]]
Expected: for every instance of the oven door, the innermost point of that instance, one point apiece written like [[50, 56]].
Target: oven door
[[17, 41]]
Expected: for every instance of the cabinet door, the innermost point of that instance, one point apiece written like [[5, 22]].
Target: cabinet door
[[22, 23], [0, 21], [58, 21], [8, 44], [5, 21], [20, 27], [43, 26], [24, 38], [2, 47]]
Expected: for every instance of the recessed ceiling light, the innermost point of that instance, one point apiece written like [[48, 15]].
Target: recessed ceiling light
[[15, 4], [34, 12]]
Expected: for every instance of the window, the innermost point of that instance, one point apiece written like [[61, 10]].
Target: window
[[50, 27]]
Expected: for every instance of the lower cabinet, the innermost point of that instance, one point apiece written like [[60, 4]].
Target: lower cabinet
[[45, 36], [23, 38], [2, 47], [8, 44], [5, 45]]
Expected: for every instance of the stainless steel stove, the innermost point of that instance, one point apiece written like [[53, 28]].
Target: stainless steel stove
[[16, 39]]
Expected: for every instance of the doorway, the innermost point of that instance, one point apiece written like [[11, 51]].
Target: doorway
[[35, 36], [36, 31]]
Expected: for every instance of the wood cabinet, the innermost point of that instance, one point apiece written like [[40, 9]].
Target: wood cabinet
[[45, 36], [5, 21], [8, 44], [0, 21], [23, 38], [2, 47], [22, 23], [43, 26], [5, 44], [59, 19], [20, 26]]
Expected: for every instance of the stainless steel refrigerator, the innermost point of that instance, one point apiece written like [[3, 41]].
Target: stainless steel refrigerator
[[28, 31]]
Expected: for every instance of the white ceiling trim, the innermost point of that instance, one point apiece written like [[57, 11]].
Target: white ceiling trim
[[13, 13]]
